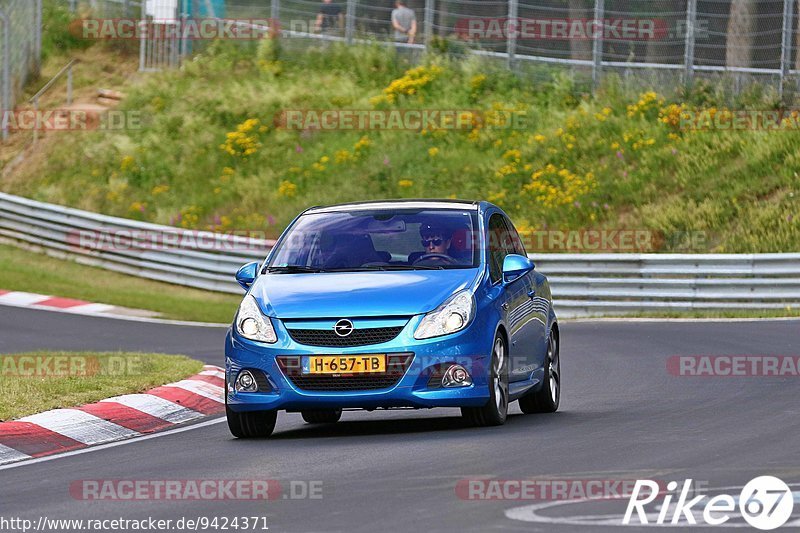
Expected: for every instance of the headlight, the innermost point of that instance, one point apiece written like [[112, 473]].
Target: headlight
[[453, 315], [253, 325]]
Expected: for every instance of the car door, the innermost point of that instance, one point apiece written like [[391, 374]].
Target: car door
[[532, 315], [514, 300]]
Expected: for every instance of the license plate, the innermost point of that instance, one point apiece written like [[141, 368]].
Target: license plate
[[344, 364]]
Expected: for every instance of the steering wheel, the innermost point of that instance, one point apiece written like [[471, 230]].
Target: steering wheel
[[436, 257]]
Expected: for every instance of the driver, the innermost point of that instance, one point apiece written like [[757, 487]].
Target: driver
[[436, 240]]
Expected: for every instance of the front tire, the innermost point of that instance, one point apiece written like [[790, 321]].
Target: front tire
[[251, 425], [495, 412], [548, 397], [322, 416]]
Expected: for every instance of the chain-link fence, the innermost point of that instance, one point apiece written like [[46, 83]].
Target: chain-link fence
[[655, 41], [20, 49], [664, 43]]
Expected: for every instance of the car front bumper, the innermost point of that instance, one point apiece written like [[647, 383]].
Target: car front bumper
[[470, 348]]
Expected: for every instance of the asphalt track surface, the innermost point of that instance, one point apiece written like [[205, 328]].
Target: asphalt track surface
[[623, 416]]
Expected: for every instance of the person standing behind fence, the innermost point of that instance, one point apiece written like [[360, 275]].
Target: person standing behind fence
[[404, 22], [330, 19]]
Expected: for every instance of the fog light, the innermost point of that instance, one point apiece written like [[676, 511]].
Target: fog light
[[456, 376], [246, 382]]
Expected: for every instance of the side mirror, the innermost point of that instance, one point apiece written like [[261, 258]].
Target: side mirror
[[516, 266], [247, 274]]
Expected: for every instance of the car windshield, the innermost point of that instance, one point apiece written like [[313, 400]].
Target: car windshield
[[397, 239]]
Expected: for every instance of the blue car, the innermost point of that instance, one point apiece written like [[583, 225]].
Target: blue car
[[392, 304]]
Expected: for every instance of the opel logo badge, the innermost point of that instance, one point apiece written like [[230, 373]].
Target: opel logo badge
[[343, 328]]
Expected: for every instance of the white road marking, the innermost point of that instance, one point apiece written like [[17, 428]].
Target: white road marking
[[22, 298], [160, 321], [89, 309], [113, 444], [157, 407], [8, 455], [80, 426], [216, 373], [207, 390]]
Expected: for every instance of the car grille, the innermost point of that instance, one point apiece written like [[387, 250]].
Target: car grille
[[359, 337], [396, 367]]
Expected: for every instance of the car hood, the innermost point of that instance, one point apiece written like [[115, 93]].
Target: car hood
[[351, 294]]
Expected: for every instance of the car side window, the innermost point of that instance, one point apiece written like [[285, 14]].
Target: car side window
[[516, 241], [499, 246]]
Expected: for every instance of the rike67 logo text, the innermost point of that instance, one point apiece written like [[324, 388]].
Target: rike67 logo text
[[765, 503]]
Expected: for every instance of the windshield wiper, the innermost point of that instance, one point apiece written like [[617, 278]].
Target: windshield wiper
[[293, 269]]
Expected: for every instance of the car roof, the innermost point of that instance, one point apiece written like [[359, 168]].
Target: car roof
[[388, 204]]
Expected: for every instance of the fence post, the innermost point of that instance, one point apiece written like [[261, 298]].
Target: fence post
[[275, 17], [143, 38], [429, 8], [512, 27], [36, 114], [350, 19], [37, 44], [786, 42], [69, 85], [688, 60], [597, 51], [6, 82]]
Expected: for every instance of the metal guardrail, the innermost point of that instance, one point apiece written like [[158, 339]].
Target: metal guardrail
[[199, 259], [583, 284], [615, 284]]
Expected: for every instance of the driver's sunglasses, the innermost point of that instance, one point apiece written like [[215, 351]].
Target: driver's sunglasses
[[432, 242]]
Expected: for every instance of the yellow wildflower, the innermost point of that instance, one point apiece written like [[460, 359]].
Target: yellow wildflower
[[287, 189]]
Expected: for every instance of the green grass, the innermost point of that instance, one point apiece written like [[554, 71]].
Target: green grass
[[71, 379], [577, 161], [21, 270]]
